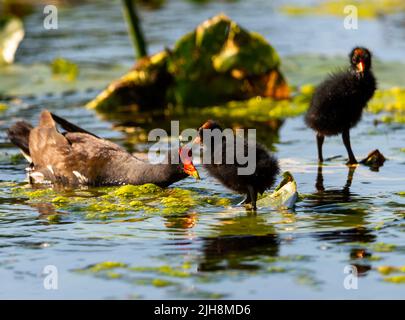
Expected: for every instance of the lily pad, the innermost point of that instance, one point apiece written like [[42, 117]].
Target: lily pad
[[284, 196]]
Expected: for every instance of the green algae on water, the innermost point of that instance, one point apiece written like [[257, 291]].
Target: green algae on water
[[106, 265], [383, 247], [367, 9], [395, 279], [64, 67]]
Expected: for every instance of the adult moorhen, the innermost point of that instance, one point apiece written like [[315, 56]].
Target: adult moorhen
[[78, 157], [265, 166], [338, 102]]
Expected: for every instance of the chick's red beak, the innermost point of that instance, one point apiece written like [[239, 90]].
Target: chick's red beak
[[360, 66]]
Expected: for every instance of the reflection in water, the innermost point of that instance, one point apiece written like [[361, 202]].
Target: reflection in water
[[358, 235], [348, 208], [237, 252], [240, 244], [341, 195], [331, 200]]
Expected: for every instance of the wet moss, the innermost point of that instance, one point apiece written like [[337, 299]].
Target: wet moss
[[137, 191], [36, 194], [115, 203], [60, 200]]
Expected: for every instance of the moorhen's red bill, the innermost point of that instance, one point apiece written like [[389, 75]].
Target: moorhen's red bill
[[263, 177], [338, 102], [78, 157]]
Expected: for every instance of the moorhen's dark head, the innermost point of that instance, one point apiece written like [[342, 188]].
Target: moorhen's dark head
[[208, 125], [360, 60]]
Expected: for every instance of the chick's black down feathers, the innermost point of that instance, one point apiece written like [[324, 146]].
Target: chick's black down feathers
[[263, 178], [245, 168], [338, 102]]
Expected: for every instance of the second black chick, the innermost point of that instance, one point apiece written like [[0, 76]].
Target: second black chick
[[264, 171], [338, 102]]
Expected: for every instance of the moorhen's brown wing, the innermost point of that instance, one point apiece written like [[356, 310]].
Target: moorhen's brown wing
[[79, 158]]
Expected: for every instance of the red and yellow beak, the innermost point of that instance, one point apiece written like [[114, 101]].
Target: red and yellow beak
[[190, 169], [360, 66], [188, 166]]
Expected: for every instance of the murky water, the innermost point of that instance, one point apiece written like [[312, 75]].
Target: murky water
[[346, 217]]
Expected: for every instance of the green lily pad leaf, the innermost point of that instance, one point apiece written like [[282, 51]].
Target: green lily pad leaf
[[284, 196]]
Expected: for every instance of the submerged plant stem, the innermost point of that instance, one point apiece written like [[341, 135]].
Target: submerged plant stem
[[134, 26]]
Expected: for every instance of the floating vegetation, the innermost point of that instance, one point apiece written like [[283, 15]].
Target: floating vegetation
[[106, 265], [64, 67], [120, 202], [367, 9], [395, 279], [389, 270], [386, 270], [383, 247], [3, 107], [391, 102]]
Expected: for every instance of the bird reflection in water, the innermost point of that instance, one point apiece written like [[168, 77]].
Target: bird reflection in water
[[331, 199], [240, 244]]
